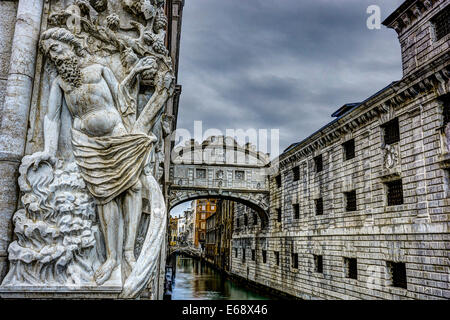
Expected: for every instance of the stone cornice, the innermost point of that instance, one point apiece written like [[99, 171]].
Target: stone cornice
[[409, 13], [433, 76]]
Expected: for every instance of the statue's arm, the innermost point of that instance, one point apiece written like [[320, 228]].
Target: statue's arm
[[52, 119]]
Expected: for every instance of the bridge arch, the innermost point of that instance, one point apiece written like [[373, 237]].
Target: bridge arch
[[256, 201]]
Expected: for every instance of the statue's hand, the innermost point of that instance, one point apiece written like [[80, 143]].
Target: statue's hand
[[42, 156], [145, 63]]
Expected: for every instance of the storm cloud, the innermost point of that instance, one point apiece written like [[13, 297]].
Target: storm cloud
[[283, 64]]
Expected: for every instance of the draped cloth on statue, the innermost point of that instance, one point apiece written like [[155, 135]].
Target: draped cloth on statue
[[110, 165]]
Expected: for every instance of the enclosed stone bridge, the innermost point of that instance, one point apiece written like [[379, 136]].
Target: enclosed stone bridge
[[220, 168]]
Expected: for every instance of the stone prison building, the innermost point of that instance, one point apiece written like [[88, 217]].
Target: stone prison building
[[360, 209]]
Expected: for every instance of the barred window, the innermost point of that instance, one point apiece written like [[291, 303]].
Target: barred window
[[391, 132], [253, 255], [278, 181], [255, 219], [395, 192], [264, 256], [235, 252], [278, 214], [397, 274], [351, 268], [350, 198], [318, 263], [446, 111], [319, 206], [441, 23], [296, 173], [318, 161], [243, 254], [295, 260], [245, 220], [349, 149], [296, 208], [237, 222], [200, 173], [277, 257]]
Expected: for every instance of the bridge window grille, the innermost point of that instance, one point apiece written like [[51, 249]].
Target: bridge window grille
[[349, 149], [255, 219], [235, 252], [351, 267], [296, 208], [296, 173], [279, 214], [295, 260], [264, 256], [319, 206], [237, 222], [278, 181], [397, 274], [253, 255], [350, 198], [391, 132], [200, 173], [441, 23], [243, 255], [239, 175], [394, 192], [318, 161], [277, 257], [245, 220], [318, 263]]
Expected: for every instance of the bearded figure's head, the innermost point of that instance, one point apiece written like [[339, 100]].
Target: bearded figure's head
[[64, 50]]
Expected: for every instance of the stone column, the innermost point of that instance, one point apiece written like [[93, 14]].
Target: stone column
[[14, 122]]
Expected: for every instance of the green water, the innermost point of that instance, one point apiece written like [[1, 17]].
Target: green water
[[196, 280]]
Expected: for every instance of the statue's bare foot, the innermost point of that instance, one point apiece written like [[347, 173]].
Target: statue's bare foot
[[104, 272], [129, 258]]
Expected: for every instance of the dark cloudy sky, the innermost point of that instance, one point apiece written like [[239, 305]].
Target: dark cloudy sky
[[285, 64], [282, 64]]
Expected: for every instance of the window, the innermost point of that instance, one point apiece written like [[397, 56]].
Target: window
[[446, 111], [295, 260], [319, 206], [397, 274], [200, 173], [235, 252], [243, 254], [441, 23], [296, 173], [277, 257], [278, 215], [391, 132], [264, 256], [350, 199], [245, 220], [349, 149], [318, 163], [278, 181], [239, 175], [237, 222], [394, 192], [296, 208], [351, 268], [253, 255], [255, 219], [318, 263]]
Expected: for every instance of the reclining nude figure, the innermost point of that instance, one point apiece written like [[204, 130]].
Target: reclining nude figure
[[110, 150]]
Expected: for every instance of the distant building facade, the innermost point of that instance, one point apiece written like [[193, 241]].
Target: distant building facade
[[173, 231], [203, 209], [360, 209]]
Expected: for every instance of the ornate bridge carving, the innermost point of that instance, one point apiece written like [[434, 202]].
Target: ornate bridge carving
[[220, 168]]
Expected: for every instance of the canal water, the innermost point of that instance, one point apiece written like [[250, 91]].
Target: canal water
[[196, 280]]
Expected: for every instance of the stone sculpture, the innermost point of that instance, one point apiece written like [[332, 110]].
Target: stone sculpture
[[116, 143]]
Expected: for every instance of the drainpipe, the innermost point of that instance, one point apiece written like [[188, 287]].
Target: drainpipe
[[16, 108]]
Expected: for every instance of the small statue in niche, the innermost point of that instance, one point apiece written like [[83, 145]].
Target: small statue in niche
[[390, 157]]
